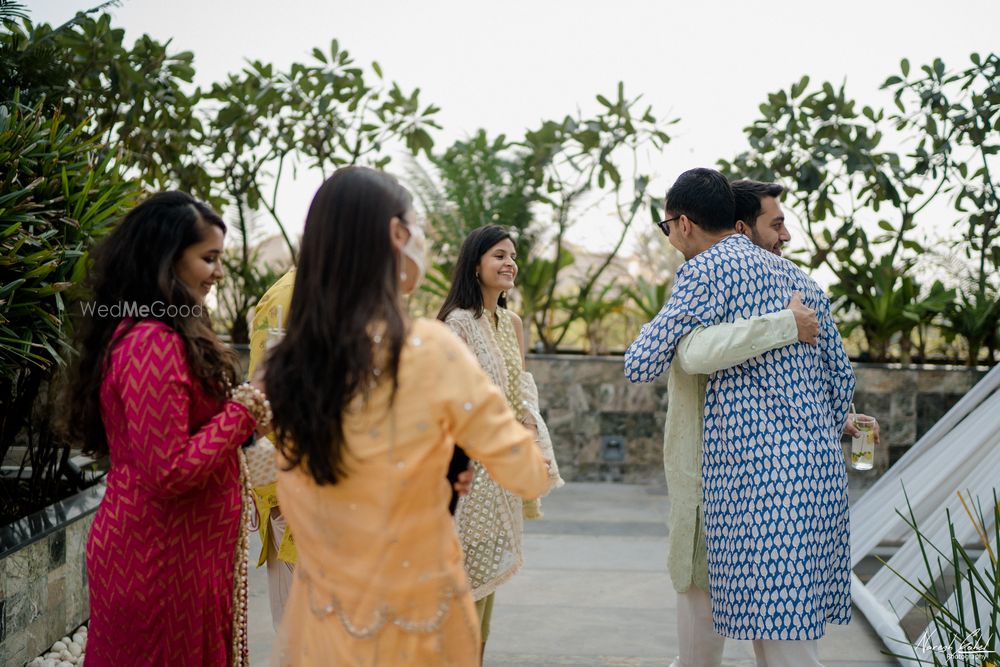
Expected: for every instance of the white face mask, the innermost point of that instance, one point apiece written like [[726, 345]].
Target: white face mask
[[416, 249]]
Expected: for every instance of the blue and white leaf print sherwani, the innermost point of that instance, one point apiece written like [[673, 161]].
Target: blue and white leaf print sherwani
[[775, 484]]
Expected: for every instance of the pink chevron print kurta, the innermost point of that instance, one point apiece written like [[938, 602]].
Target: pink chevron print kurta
[[161, 551]]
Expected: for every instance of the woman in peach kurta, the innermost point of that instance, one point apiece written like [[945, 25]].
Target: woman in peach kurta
[[379, 578]]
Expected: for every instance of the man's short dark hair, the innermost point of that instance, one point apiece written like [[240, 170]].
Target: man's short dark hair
[[748, 195], [705, 197]]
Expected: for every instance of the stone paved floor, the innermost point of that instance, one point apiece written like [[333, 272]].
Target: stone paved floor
[[594, 592]]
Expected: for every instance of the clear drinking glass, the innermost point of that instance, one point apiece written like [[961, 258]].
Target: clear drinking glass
[[863, 444], [274, 337]]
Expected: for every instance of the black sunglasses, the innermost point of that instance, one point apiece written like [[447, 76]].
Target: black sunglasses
[[665, 226]]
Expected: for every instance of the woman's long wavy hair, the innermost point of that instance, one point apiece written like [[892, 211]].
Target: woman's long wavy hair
[[135, 267], [346, 288], [465, 292]]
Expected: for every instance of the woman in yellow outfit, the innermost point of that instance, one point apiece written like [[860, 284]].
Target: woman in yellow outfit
[[367, 407], [277, 544]]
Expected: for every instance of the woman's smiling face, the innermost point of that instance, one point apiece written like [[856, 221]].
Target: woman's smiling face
[[200, 266], [498, 267]]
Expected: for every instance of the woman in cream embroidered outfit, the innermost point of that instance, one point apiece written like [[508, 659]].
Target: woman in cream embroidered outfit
[[489, 519], [367, 407]]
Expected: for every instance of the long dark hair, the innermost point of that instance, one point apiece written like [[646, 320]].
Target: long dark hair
[[346, 290], [134, 267], [465, 291]]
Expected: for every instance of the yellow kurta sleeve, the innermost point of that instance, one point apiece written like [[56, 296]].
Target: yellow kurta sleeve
[[271, 313], [709, 349], [480, 419], [266, 316]]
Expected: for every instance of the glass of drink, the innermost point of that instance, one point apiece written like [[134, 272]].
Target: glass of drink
[[274, 337], [275, 334], [863, 444]]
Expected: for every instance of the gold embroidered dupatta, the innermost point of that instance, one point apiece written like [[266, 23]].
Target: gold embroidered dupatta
[[490, 519]]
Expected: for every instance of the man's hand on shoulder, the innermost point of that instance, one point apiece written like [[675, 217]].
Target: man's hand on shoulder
[[805, 319]]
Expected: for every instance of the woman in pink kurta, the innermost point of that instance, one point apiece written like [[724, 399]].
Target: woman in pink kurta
[[162, 549]]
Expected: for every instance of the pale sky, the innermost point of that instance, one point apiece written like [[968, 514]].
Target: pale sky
[[505, 66]]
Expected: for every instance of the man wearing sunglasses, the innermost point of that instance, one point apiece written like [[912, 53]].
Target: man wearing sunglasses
[[719, 317]]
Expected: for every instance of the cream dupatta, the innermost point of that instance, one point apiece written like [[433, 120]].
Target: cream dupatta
[[490, 519]]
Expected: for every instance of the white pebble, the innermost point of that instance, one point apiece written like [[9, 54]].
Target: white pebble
[[79, 638], [75, 649], [65, 640], [65, 663], [37, 662], [59, 646], [52, 655], [49, 662]]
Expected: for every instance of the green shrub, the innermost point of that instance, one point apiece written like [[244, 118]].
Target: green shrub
[[56, 198]]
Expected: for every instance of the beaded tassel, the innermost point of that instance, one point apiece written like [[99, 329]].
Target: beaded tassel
[[241, 647]]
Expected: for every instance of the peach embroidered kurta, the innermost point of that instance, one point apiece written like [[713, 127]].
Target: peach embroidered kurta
[[379, 578]]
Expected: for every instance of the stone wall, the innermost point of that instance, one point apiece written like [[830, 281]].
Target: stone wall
[[605, 429], [43, 577]]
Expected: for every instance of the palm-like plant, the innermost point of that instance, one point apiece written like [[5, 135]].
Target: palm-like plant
[[593, 309], [13, 11], [645, 298], [976, 317], [964, 620], [888, 301], [59, 197]]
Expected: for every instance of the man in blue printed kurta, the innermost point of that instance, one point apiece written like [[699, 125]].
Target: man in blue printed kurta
[[775, 488]]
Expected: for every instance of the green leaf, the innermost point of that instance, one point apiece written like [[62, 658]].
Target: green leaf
[[800, 87], [10, 230], [11, 286]]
